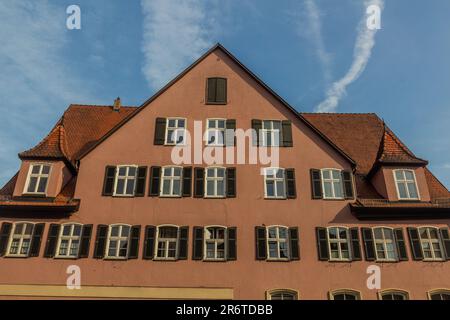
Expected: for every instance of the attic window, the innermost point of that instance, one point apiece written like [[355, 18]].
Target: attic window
[[405, 181], [216, 91], [37, 179]]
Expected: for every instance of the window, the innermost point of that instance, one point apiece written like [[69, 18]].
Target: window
[[37, 179], [394, 295], [215, 132], [440, 294], [430, 243], [282, 294], [215, 182], [175, 130], [277, 243], [384, 244], [274, 181], [125, 181], [166, 243], [20, 240], [332, 184], [338, 242], [216, 91], [345, 295], [69, 241], [118, 239], [215, 243], [271, 133], [405, 180], [171, 182]]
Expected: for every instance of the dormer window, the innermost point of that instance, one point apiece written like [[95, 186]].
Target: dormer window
[[405, 181], [37, 179], [216, 91]]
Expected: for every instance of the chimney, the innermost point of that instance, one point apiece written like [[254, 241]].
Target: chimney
[[116, 106]]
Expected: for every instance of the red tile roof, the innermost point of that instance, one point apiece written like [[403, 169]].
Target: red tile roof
[[394, 151]]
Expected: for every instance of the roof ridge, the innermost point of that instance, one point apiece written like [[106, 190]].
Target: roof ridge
[[98, 106], [341, 113]]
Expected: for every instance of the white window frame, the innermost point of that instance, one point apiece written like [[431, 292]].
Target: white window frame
[[177, 131], [272, 132], [405, 182], [167, 241], [21, 237], [278, 240], [125, 178], [275, 180], [293, 293], [332, 181], [119, 239], [339, 241], [70, 238], [215, 179], [384, 242], [216, 131], [404, 293], [440, 292], [356, 293], [430, 243], [216, 243], [171, 178], [39, 176]]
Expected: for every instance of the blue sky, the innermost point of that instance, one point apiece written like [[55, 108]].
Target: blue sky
[[302, 49]]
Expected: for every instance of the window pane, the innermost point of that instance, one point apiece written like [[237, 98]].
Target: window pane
[[273, 252], [42, 185], [114, 231], [409, 175], [77, 230], [66, 230], [221, 173], [210, 188], [412, 190], [399, 175], [336, 174], [19, 228], [45, 169], [172, 123], [125, 231], [282, 233], [332, 233], [166, 187], [122, 171], [327, 189], [280, 188], [32, 184], [402, 191], [220, 188], [338, 190], [181, 123], [132, 171], [433, 233], [272, 232], [378, 233], [35, 169], [177, 187], [210, 173], [130, 186], [120, 186], [284, 250], [326, 174], [28, 229]]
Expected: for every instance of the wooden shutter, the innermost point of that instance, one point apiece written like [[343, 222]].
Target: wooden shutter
[[100, 241], [5, 232], [183, 243], [133, 252], [356, 247], [256, 126], [348, 184], [445, 237], [187, 182], [369, 246], [35, 245], [291, 190], [108, 182], [232, 243], [401, 245], [294, 244], [260, 241], [230, 126], [416, 247], [322, 243], [211, 86], [52, 240], [160, 131], [155, 177], [85, 242], [316, 184], [149, 243], [141, 181], [286, 134], [221, 90], [199, 182], [231, 182], [197, 248]]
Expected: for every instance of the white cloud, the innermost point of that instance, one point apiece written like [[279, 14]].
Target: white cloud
[[361, 54], [175, 33]]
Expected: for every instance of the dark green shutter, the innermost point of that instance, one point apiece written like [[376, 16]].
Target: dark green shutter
[[322, 243], [230, 126], [100, 241], [197, 252], [149, 243], [4, 237], [291, 190], [348, 184], [294, 244], [85, 242], [141, 181], [231, 182], [416, 247], [369, 246], [160, 131], [35, 246], [108, 182], [135, 235], [316, 184], [52, 241], [187, 182], [232, 243], [199, 182], [401, 245], [221, 90], [445, 237], [256, 126], [286, 134], [211, 86], [155, 177], [356, 247], [260, 242], [183, 243]]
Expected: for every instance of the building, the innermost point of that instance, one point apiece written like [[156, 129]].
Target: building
[[101, 192]]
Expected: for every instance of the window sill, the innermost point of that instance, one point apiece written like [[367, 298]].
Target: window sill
[[214, 197], [167, 196], [65, 258], [278, 260], [211, 103], [17, 256], [34, 195], [214, 260], [115, 258], [275, 198]]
